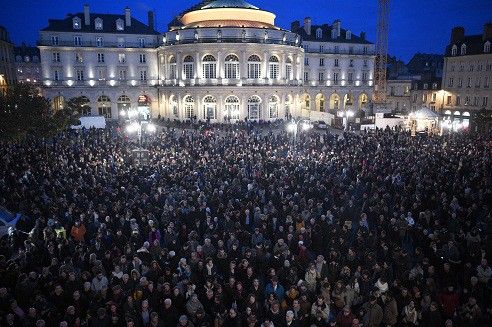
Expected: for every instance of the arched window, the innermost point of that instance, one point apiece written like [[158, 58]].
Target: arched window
[[209, 67], [173, 104], [319, 33], [232, 66], [231, 110], [254, 107], [486, 47], [123, 104], [104, 106], [320, 102], [288, 105], [85, 108], [189, 107], [58, 102], [288, 69], [273, 67], [188, 67], [362, 101], [172, 68], [210, 107], [77, 24], [120, 25], [306, 102], [335, 101], [454, 50], [273, 107], [254, 67], [463, 49], [98, 23]]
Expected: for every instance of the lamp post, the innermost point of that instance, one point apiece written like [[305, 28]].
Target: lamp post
[[345, 114], [137, 125], [293, 128]]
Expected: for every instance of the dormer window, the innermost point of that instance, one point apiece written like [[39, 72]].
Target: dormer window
[[98, 24], [454, 50], [319, 33], [486, 47], [120, 25], [348, 35], [333, 34], [76, 23], [463, 49]]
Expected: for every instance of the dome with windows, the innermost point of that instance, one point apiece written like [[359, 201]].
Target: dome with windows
[[228, 13]]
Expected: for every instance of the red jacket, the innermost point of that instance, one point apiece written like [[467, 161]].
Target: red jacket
[[449, 302]]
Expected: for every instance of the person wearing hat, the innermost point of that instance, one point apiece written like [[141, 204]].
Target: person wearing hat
[[185, 322]]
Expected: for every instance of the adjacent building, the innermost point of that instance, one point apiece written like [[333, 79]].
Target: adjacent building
[[398, 97], [467, 75], [222, 60], [7, 67], [27, 64], [110, 59], [338, 67]]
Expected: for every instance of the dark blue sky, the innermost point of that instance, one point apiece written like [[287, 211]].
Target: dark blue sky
[[415, 25]]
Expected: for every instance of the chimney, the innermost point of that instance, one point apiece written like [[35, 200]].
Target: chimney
[[87, 15], [457, 34], [151, 20], [128, 17], [336, 26], [307, 25], [487, 32], [294, 26]]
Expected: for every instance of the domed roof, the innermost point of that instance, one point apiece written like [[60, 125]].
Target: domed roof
[[229, 4]]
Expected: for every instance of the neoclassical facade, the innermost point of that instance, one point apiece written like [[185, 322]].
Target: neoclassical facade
[[222, 60]]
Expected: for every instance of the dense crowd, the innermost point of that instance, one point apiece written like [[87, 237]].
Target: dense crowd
[[237, 228]]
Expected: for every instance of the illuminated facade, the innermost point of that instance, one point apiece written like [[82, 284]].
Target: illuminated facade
[[467, 76], [222, 60], [7, 67]]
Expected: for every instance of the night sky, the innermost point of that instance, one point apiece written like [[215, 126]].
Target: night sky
[[415, 25]]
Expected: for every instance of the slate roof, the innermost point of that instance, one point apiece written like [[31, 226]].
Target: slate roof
[[229, 4], [24, 50], [474, 45], [109, 25], [326, 35]]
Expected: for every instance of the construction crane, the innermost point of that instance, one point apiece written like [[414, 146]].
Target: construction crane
[[380, 83]]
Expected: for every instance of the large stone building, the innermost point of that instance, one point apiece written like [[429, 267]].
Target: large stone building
[[7, 68], [467, 73], [222, 60], [109, 59]]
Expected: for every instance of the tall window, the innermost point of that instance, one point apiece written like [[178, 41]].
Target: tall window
[[350, 78], [231, 107], [143, 75], [188, 67], [76, 23], [210, 107], [101, 74], [306, 76], [306, 61], [80, 74], [56, 57], [254, 67], [232, 67], [209, 67], [454, 50], [351, 63], [56, 75], [364, 78], [485, 101], [54, 40], [321, 77], [120, 26], [99, 41], [486, 47], [254, 107], [122, 74], [273, 107], [273, 67], [142, 58], [460, 82], [172, 68], [77, 41], [486, 82], [78, 57], [141, 42], [336, 63], [451, 82], [104, 106], [288, 69], [319, 33], [121, 58], [321, 62], [189, 107], [100, 57], [335, 78]]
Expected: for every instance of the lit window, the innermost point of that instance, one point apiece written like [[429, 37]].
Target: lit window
[[232, 67], [463, 49], [188, 67], [76, 23], [209, 67], [454, 50], [486, 47], [121, 58], [120, 26], [274, 67], [254, 67], [98, 23]]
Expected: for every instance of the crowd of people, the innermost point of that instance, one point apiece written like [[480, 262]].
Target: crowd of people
[[238, 228]]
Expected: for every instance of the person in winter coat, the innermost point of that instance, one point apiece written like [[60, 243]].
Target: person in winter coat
[[390, 314], [320, 309], [78, 231], [410, 314], [345, 317], [311, 278], [449, 301], [373, 313]]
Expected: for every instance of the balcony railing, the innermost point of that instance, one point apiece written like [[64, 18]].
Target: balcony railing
[[343, 52], [231, 40], [96, 44]]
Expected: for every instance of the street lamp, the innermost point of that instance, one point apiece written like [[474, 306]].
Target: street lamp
[[293, 127], [346, 114]]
